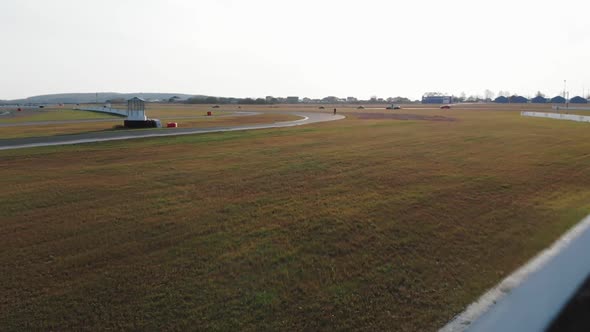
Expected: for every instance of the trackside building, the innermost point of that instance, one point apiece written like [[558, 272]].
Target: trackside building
[[437, 99]]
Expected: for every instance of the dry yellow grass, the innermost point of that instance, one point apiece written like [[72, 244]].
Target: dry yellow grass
[[374, 224], [53, 114]]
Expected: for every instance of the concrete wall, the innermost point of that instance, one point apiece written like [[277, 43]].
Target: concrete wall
[[573, 108], [557, 116], [103, 110]]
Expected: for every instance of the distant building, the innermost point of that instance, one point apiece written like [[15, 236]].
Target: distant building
[[330, 99], [517, 100], [501, 100], [579, 100], [539, 100], [292, 100], [558, 100], [437, 100]]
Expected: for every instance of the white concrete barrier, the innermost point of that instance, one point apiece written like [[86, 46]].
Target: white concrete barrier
[[103, 110], [557, 116], [573, 108], [532, 296]]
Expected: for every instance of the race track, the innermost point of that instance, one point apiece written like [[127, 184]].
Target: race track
[[19, 143]]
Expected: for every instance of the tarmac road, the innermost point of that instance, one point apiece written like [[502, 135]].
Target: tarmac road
[[29, 142]]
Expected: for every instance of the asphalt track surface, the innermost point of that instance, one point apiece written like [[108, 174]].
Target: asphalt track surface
[[29, 142]]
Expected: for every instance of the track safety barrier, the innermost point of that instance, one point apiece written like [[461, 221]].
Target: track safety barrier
[[557, 116]]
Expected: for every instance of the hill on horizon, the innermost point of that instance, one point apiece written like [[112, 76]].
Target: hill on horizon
[[100, 97]]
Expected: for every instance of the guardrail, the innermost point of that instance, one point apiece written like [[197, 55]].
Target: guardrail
[[109, 110], [558, 116]]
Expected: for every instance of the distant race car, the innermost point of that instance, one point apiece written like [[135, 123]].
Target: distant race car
[[393, 107], [445, 107], [360, 108], [216, 106]]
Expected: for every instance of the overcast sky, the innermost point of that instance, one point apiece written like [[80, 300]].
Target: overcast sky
[[307, 48]]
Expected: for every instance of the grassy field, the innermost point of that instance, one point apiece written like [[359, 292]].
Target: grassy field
[[359, 224], [55, 114], [85, 127], [152, 110]]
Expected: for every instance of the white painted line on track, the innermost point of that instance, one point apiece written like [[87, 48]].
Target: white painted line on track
[[305, 118]]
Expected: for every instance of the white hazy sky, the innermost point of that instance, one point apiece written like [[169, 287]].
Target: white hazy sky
[[312, 48]]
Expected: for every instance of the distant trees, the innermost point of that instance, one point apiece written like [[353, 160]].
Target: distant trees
[[488, 95], [434, 94], [272, 101], [459, 99], [222, 100], [474, 99], [201, 100], [251, 101], [211, 100], [247, 101], [400, 100]]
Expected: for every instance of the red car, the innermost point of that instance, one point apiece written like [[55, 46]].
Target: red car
[[445, 107]]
